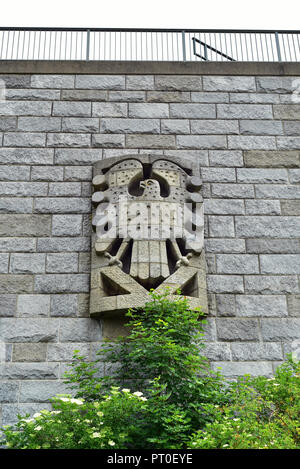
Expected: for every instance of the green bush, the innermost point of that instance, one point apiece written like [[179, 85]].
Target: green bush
[[178, 401]]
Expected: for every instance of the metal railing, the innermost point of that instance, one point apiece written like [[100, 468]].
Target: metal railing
[[174, 45]]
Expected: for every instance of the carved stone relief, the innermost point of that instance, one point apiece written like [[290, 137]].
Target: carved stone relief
[[148, 233]]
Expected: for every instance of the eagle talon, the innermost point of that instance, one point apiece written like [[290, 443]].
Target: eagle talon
[[183, 260]]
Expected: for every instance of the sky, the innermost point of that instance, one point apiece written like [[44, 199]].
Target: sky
[[208, 14]]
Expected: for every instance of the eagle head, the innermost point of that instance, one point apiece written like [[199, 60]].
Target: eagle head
[[151, 187]]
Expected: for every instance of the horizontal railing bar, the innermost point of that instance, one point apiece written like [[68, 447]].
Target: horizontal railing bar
[[150, 30]]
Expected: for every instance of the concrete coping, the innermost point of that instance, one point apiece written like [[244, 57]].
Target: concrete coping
[[144, 67]]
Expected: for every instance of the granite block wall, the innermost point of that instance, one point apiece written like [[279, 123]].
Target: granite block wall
[[243, 131]]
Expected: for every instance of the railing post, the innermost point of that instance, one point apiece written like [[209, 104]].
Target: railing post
[[183, 46], [278, 47], [88, 44]]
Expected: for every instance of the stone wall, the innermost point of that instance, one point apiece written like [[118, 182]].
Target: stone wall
[[243, 131]]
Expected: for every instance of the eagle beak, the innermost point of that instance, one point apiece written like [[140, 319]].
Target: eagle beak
[[143, 184]]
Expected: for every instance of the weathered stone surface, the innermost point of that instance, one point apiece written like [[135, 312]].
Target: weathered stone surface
[[228, 83], [39, 124], [272, 159], [226, 158], [41, 391], [43, 156], [64, 305], [267, 227], [249, 352], [218, 174], [237, 263], [127, 96], [236, 330], [29, 353], [14, 173], [271, 284], [225, 305], [261, 305], [150, 141], [261, 127], [224, 207], [78, 124], [140, 82], [33, 305], [233, 191], [64, 352], [193, 110], [84, 95], [16, 283], [182, 82], [18, 244], [215, 351], [262, 175], [26, 108], [8, 305], [279, 330], [277, 191], [109, 109], [108, 141], [148, 110], [225, 245], [262, 207], [62, 205], [28, 330], [27, 263], [290, 207], [225, 283], [209, 97], [275, 84], [62, 262], [66, 225], [24, 225], [68, 140], [288, 143], [201, 141], [254, 98], [73, 173], [72, 109], [273, 246], [293, 302], [47, 173], [255, 143], [175, 126], [26, 139], [63, 244], [280, 264], [216, 126], [235, 369], [61, 283], [287, 111], [244, 111], [221, 226], [167, 97], [9, 392], [52, 81], [100, 82], [129, 126], [80, 330]]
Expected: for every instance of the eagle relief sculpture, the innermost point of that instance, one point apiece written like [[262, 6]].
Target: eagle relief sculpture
[[148, 233]]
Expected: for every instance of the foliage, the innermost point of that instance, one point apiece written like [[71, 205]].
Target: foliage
[[263, 413], [178, 401]]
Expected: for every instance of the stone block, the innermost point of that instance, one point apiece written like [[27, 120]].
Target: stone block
[[8, 305], [148, 110], [64, 244], [180, 82], [288, 143], [193, 111], [52, 81], [201, 141], [68, 140], [215, 351], [225, 283], [28, 330], [80, 330], [130, 126], [275, 284], [237, 264], [27, 263], [109, 109], [65, 189], [29, 353], [39, 124], [24, 139], [293, 302], [262, 207], [175, 126], [221, 226], [226, 158], [275, 84], [9, 392], [72, 108], [216, 126], [267, 227], [8, 123], [33, 305], [78, 124], [26, 108], [61, 283], [290, 207], [254, 98], [140, 82], [237, 330], [4, 258], [18, 244], [16, 283], [236, 369], [64, 305], [260, 127], [14, 173], [150, 141], [64, 352], [81, 173], [23, 189], [261, 305], [62, 205], [279, 191], [24, 225], [84, 95], [43, 156], [280, 329], [290, 127], [225, 305], [273, 246], [232, 191], [223, 207], [100, 82], [218, 174], [77, 156], [225, 245], [108, 141], [41, 391], [252, 143], [280, 264], [249, 352], [244, 111], [287, 111], [168, 97], [272, 159], [209, 97], [16, 80], [47, 173], [294, 175], [229, 83], [66, 225], [262, 175], [127, 96], [62, 262]]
